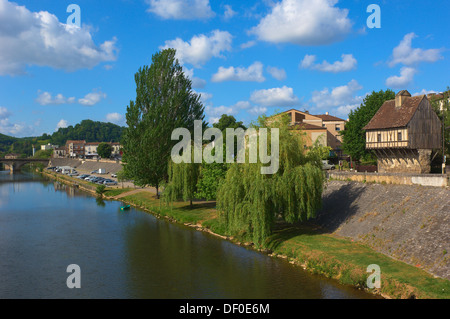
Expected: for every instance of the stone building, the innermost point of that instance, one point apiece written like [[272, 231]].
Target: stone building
[[323, 128], [403, 134]]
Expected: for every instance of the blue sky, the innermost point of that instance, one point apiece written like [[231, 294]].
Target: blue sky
[[245, 57]]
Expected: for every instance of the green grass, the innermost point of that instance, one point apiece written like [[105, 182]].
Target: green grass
[[399, 280], [178, 211], [306, 244], [117, 191]]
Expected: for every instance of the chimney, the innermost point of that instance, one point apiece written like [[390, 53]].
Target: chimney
[[326, 113], [401, 97]]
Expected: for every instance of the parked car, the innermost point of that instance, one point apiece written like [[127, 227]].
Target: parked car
[[326, 165], [109, 182], [94, 172], [83, 176], [114, 175]]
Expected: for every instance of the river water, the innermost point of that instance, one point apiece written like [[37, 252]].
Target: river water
[[46, 226]]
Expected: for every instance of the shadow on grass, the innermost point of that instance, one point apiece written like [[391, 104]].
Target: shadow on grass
[[198, 205], [283, 232]]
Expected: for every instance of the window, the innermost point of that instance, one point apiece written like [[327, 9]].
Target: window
[[338, 127], [399, 136], [379, 138]]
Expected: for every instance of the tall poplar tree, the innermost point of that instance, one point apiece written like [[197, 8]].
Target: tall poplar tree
[[164, 102]]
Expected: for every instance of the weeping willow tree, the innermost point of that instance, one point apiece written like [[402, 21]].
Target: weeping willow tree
[[249, 202], [182, 184]]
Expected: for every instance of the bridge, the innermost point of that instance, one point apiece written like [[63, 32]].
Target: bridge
[[15, 164]]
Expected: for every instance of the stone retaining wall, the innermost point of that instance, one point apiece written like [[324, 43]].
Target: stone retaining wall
[[437, 180], [408, 223]]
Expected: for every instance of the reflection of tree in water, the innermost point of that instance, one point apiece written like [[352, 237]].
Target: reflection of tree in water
[[167, 261], [100, 202]]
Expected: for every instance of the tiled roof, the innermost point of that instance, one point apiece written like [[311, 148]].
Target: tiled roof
[[327, 117], [389, 116]]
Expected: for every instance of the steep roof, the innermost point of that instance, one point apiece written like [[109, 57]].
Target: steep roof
[[389, 116], [327, 117]]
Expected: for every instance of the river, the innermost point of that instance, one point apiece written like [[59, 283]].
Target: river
[[46, 226]]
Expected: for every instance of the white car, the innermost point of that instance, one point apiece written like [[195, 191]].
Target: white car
[[327, 166]]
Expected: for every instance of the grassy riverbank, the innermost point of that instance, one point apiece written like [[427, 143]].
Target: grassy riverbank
[[311, 248], [305, 245]]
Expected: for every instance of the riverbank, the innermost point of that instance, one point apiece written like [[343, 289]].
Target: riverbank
[[308, 246]]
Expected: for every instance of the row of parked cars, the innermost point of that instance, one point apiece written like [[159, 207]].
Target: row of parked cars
[[97, 180]]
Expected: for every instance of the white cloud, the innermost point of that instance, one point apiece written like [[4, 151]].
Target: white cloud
[[61, 124], [115, 118], [344, 110], [339, 96], [257, 110], [406, 55], [348, 63], [92, 98], [14, 129], [219, 110], [214, 113], [4, 113], [248, 44], [283, 96], [38, 38], [46, 98], [229, 13], [405, 78], [279, 74], [425, 92], [254, 73], [205, 97], [201, 48], [304, 22], [181, 9], [197, 83]]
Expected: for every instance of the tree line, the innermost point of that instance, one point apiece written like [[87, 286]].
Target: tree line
[[249, 204], [88, 130]]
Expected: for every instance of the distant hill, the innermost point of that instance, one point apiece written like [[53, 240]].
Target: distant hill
[[88, 130], [5, 142]]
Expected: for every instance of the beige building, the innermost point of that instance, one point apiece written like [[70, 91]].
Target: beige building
[[325, 128]]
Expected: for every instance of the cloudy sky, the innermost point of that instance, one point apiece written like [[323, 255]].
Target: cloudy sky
[[245, 58]]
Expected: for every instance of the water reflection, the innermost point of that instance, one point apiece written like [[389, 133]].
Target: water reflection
[[45, 226]]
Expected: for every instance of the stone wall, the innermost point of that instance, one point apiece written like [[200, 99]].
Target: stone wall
[[408, 223], [404, 161], [437, 180]]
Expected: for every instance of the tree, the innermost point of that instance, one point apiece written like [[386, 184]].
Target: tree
[[354, 137], [104, 150], [43, 154], [211, 176], [228, 121], [441, 106], [183, 178], [249, 203], [164, 101], [122, 176]]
